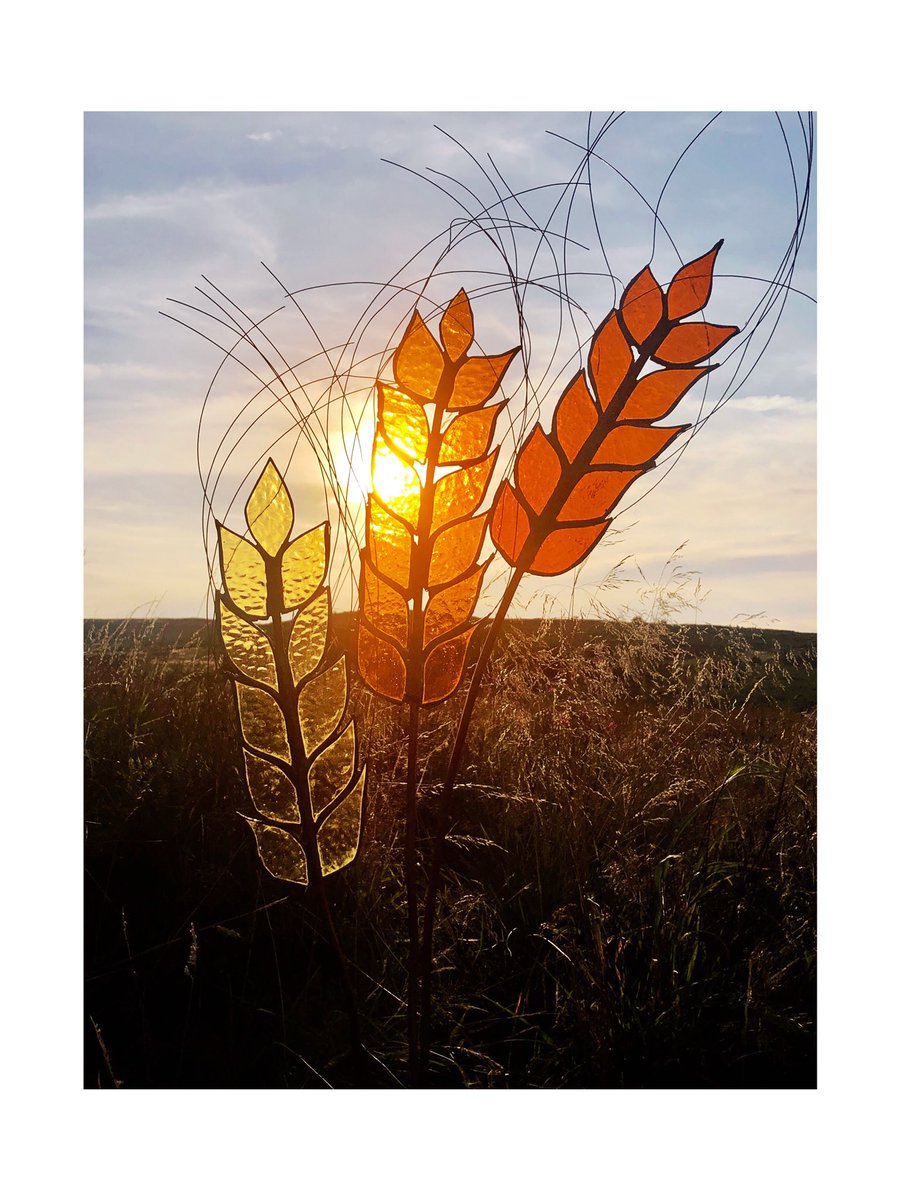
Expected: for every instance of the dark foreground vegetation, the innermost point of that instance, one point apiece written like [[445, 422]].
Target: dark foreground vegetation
[[628, 898]]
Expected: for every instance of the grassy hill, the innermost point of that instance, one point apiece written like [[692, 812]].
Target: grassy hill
[[628, 901], [794, 652]]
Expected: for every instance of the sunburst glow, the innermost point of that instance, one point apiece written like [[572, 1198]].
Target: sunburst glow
[[395, 482]]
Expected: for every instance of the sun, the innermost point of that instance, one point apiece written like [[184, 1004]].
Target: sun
[[369, 464], [396, 484]]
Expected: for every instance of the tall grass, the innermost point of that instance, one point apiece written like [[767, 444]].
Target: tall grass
[[628, 898]]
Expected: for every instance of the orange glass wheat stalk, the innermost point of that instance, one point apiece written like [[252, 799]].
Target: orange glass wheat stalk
[[420, 577]]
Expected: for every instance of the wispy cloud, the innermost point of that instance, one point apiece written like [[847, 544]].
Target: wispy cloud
[[763, 404]]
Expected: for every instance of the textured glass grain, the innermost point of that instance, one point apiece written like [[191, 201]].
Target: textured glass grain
[[455, 550], [478, 378], [461, 492], [269, 511], [452, 606], [576, 417], [444, 667], [565, 548], [383, 607], [281, 854], [321, 705], [595, 493], [308, 637], [655, 395], [247, 647], [642, 306], [691, 343], [395, 482], [389, 544], [418, 362], [610, 359], [404, 423], [690, 288], [537, 470], [634, 445], [381, 665], [457, 326], [339, 833], [271, 791], [468, 436], [303, 567], [332, 770], [243, 573], [262, 723], [510, 525]]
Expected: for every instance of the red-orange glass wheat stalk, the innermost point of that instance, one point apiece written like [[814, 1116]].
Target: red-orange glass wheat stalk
[[567, 482]]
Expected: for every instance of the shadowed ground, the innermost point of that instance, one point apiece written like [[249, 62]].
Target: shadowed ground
[[629, 898]]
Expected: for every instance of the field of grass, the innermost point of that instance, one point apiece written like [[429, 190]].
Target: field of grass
[[628, 900]]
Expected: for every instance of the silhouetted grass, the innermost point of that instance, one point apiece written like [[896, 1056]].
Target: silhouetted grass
[[629, 892]]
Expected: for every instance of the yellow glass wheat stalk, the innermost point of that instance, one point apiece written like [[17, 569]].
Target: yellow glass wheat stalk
[[301, 758]]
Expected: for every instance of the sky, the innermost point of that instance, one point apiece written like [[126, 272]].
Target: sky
[[725, 527]]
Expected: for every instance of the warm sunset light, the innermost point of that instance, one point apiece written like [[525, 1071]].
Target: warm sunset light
[[396, 482], [455, 783]]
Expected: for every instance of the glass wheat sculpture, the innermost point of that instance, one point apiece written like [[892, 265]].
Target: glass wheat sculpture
[[300, 753], [566, 483], [422, 568], [420, 575]]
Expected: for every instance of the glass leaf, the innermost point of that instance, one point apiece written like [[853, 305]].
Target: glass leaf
[[461, 492], [396, 484], [418, 361], [271, 791], [304, 565], [455, 550], [269, 511], [281, 854], [468, 436], [309, 634], [576, 417], [243, 573], [642, 306], [247, 647], [478, 378], [690, 288], [537, 470], [691, 343], [389, 543], [510, 525], [262, 722], [383, 607], [332, 770], [655, 395], [339, 833], [457, 326], [595, 494], [452, 606], [565, 548], [444, 667], [634, 445], [321, 705], [610, 359], [381, 665], [403, 422]]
